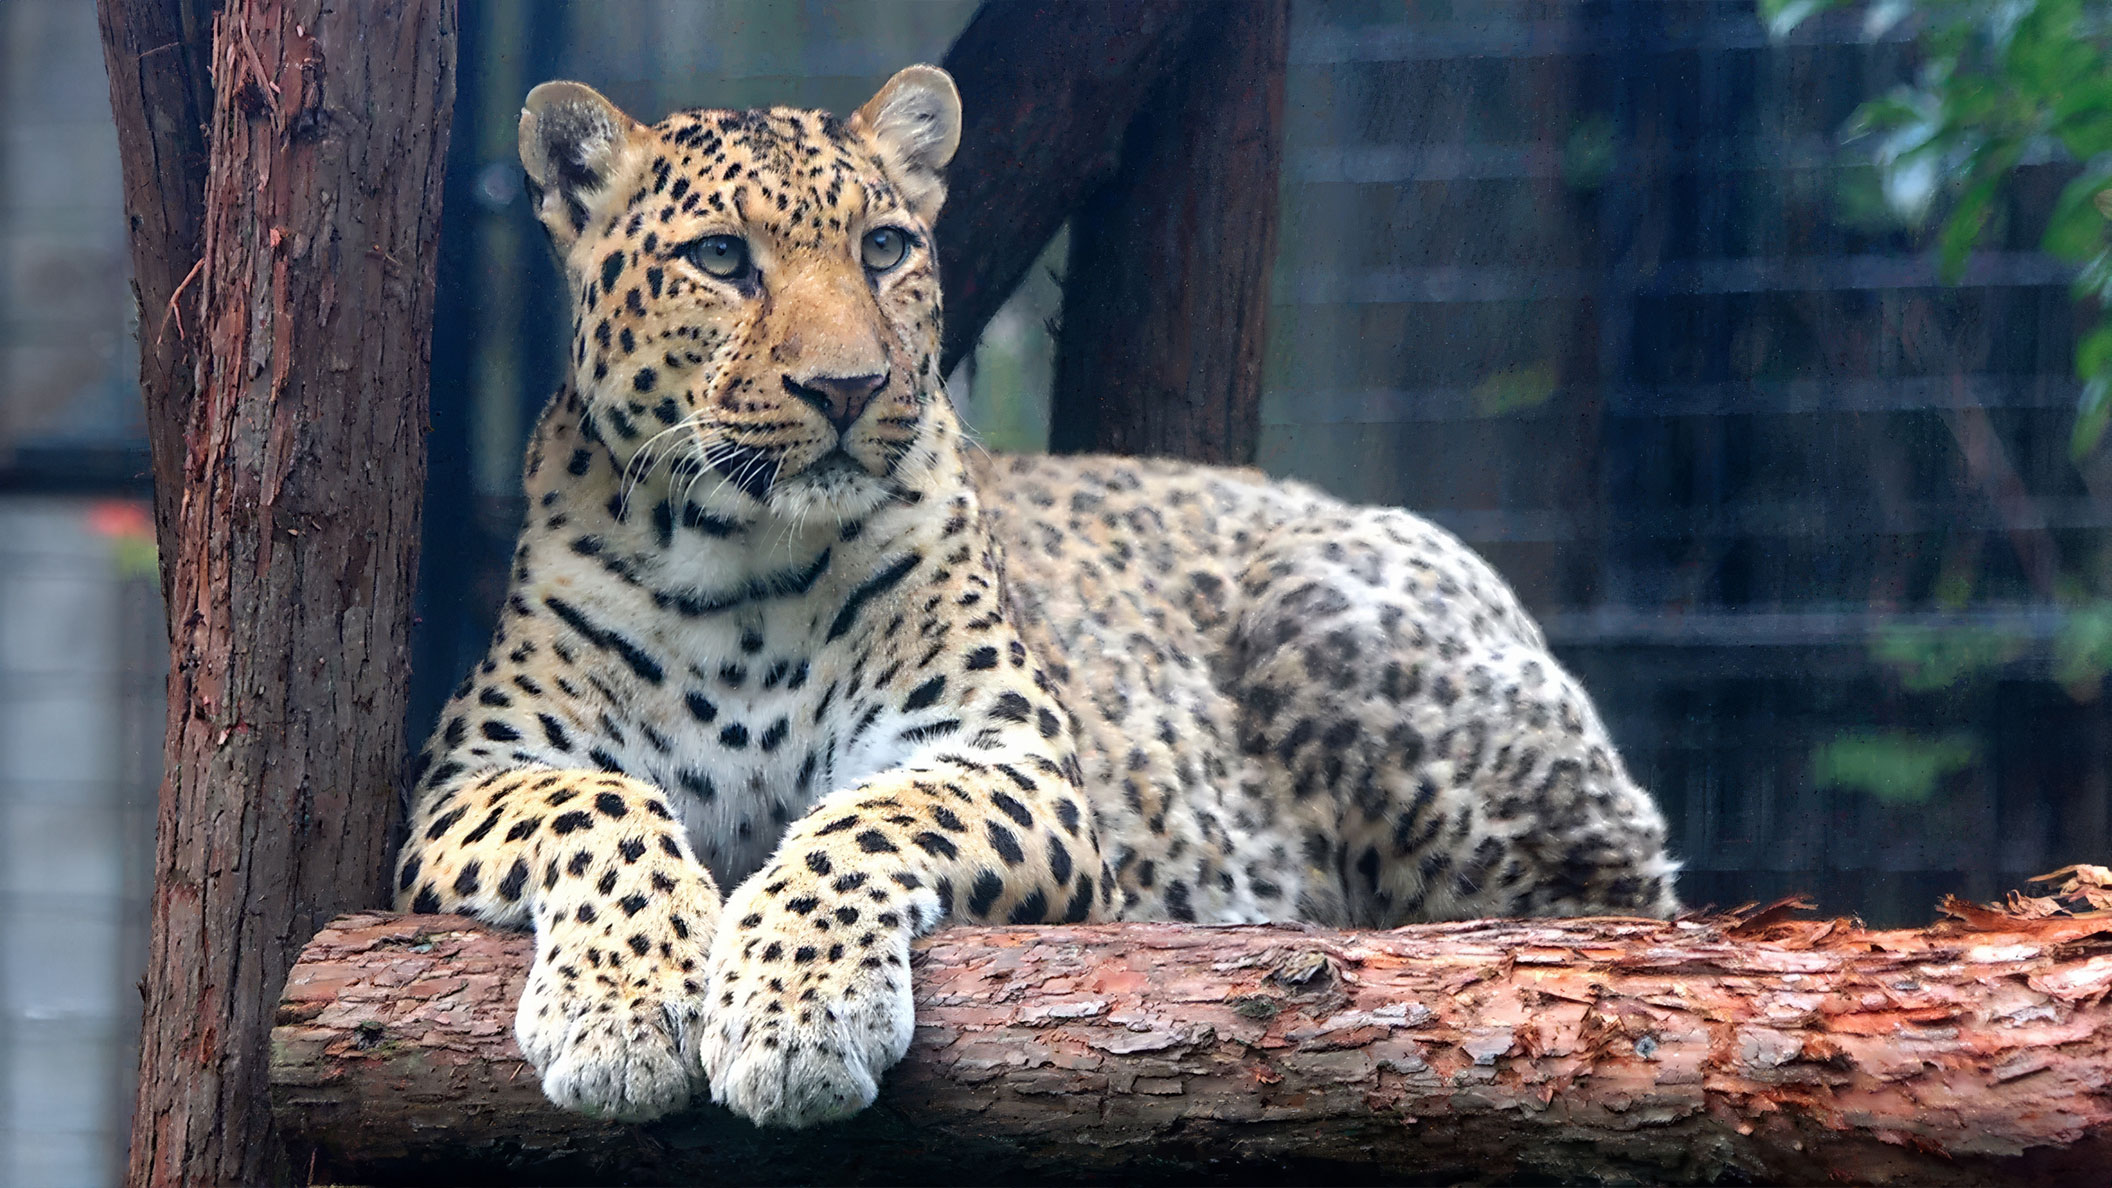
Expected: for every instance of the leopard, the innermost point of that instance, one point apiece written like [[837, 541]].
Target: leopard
[[791, 671]]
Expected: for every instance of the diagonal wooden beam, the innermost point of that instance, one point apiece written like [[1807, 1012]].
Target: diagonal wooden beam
[[1048, 90]]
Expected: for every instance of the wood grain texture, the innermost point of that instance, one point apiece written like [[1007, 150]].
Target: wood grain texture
[[293, 545], [1623, 1050]]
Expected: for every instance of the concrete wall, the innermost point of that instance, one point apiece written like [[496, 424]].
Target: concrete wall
[[81, 677], [81, 641]]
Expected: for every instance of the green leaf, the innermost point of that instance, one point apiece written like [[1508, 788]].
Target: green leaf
[[2095, 278], [1989, 169], [2083, 649], [1932, 658], [1962, 230], [1895, 110], [2081, 110], [1514, 390], [2093, 355], [1895, 767], [2077, 225], [1910, 188], [2093, 409], [1859, 202], [1783, 16], [1910, 155], [2038, 53], [1883, 15]]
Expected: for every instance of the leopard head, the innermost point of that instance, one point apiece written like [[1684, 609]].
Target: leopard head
[[756, 295]]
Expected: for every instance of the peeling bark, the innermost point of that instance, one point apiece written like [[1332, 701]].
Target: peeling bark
[[289, 528], [1637, 1051]]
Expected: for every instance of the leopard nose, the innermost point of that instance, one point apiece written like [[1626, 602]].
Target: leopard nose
[[840, 398]]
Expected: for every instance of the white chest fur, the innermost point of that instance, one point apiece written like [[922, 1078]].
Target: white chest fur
[[764, 692]]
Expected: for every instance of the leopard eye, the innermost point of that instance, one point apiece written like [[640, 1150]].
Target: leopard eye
[[723, 256], [883, 248]]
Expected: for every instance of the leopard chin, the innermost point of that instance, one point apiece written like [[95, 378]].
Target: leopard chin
[[837, 489]]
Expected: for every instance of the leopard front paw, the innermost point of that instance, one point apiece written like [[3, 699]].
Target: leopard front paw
[[803, 1021], [627, 1053]]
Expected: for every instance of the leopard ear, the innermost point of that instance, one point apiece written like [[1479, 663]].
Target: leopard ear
[[575, 145], [915, 123]]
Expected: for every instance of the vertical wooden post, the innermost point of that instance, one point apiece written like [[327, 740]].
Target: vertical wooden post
[[155, 52], [298, 475], [1165, 299]]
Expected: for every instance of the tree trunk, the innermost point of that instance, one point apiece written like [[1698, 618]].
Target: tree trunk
[[1047, 89], [1166, 296], [155, 52], [294, 543], [1622, 1050]]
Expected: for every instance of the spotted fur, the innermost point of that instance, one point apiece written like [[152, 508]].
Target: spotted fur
[[774, 627]]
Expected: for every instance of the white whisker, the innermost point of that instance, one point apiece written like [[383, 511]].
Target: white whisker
[[641, 465]]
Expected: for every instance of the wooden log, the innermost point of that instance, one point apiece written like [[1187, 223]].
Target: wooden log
[[1048, 88], [294, 541], [1630, 1051], [1166, 295]]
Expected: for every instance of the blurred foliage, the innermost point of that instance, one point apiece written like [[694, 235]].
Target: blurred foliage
[[2002, 83], [1515, 389], [1895, 767], [1901, 766], [1590, 152], [2083, 650], [128, 524], [1929, 659]]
